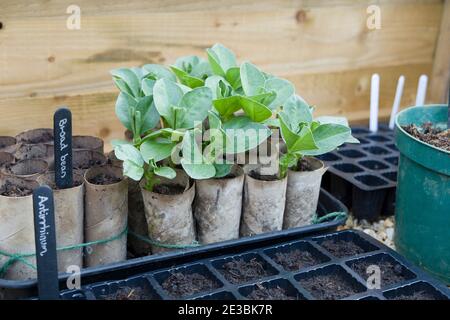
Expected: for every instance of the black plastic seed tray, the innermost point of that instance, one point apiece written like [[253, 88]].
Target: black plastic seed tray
[[13, 289], [329, 266], [364, 176]]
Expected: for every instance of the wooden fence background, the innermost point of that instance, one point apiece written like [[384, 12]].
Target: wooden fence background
[[324, 47]]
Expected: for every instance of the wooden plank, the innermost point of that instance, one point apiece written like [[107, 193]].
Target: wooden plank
[[323, 46], [440, 79]]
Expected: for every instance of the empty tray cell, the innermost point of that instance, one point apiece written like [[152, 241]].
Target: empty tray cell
[[131, 289], [329, 283], [373, 165], [223, 295], [369, 298], [392, 160], [295, 256], [244, 268], [377, 150], [359, 131], [279, 289], [329, 157], [187, 281], [416, 291], [392, 146], [391, 270], [348, 168], [391, 176], [74, 295], [371, 181], [351, 153], [377, 138], [363, 141], [345, 244]]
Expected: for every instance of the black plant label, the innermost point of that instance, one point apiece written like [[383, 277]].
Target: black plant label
[[62, 129], [45, 239]]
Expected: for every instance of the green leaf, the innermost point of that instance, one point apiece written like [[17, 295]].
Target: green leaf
[[252, 79], [227, 106], [328, 137], [156, 72], [222, 170], [304, 142], [123, 103], [243, 134], [264, 98], [193, 162], [197, 104], [166, 94], [221, 59], [118, 142], [147, 86], [254, 110], [186, 79], [289, 136], [127, 81], [150, 116], [165, 172], [156, 149], [128, 152], [132, 170], [283, 89], [296, 111], [233, 76], [333, 120]]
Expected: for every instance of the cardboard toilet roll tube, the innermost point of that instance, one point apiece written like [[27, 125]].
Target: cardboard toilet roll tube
[[85, 159], [169, 216], [87, 143], [40, 135], [218, 206], [136, 220], [302, 195], [7, 144], [106, 212], [69, 218], [263, 205], [17, 225], [34, 151], [29, 168], [6, 159]]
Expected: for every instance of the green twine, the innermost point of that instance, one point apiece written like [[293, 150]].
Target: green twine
[[164, 245], [333, 215], [20, 257]]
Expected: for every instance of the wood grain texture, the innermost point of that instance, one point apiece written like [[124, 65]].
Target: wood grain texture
[[324, 47], [440, 80]]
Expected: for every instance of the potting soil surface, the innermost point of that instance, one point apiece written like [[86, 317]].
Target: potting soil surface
[[342, 248], [180, 285], [277, 293], [418, 295], [390, 272], [240, 271], [87, 165], [426, 133], [11, 190], [44, 137], [168, 189], [128, 293], [296, 259], [104, 179], [258, 176], [328, 287]]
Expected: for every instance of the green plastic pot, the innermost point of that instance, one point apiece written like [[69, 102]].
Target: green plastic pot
[[422, 231]]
